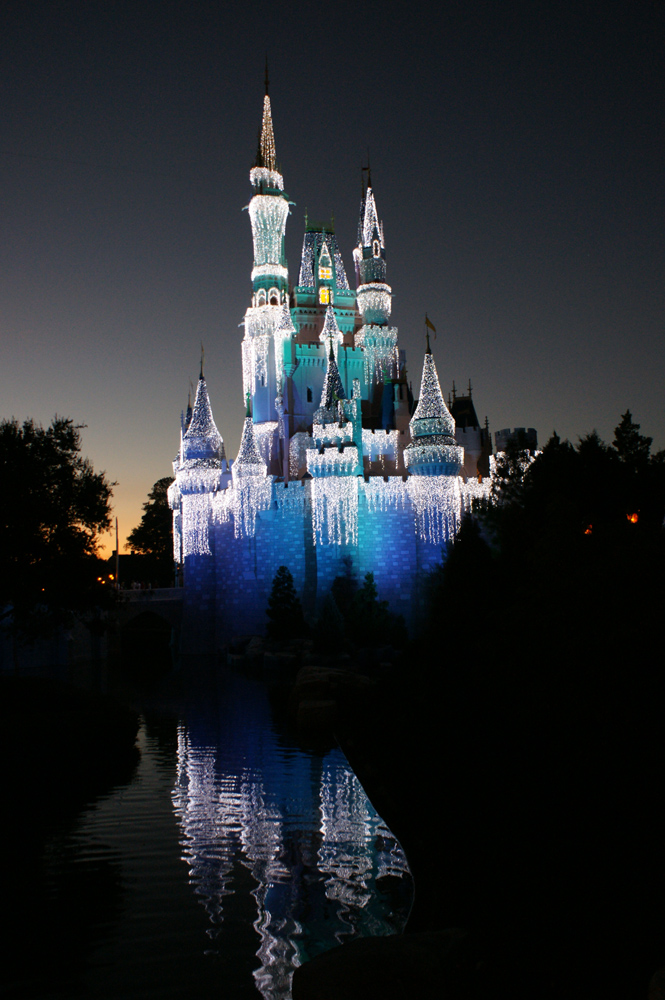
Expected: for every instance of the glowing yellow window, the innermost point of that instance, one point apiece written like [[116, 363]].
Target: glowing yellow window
[[325, 273], [324, 296]]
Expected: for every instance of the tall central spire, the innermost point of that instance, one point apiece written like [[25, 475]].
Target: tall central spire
[[265, 156], [267, 143]]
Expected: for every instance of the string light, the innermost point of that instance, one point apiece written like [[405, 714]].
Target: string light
[[267, 137], [289, 498], [284, 331], [371, 221], [374, 302], [335, 509], [311, 249], [436, 504], [332, 434], [331, 332], [266, 439], [379, 344], [196, 522], [382, 496], [263, 179], [268, 214], [473, 490], [380, 443]]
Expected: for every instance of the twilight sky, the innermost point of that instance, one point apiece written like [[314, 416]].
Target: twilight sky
[[518, 160]]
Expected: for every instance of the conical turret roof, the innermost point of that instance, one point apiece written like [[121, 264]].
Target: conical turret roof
[[202, 440], [249, 461], [432, 416], [331, 330], [370, 226], [433, 450]]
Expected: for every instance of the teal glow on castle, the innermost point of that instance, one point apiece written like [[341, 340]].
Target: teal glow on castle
[[336, 458]]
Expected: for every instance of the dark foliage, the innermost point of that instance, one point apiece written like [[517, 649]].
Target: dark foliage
[[543, 646], [285, 617], [345, 587], [153, 537], [53, 507], [367, 620], [330, 632]]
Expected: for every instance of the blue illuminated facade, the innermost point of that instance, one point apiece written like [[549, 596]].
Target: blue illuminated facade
[[336, 460]]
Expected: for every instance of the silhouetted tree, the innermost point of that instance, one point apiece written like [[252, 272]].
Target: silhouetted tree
[[284, 609], [345, 586], [370, 622], [632, 447], [330, 633], [53, 506], [153, 537]]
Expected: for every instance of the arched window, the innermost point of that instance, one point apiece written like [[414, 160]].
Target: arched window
[[376, 248], [261, 297], [324, 295], [274, 296], [310, 395]]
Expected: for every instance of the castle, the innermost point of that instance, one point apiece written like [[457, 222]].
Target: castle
[[336, 461]]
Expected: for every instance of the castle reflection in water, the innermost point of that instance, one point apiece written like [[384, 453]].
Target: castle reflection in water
[[323, 866]]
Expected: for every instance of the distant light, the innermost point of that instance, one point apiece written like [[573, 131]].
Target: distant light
[[589, 529], [633, 518]]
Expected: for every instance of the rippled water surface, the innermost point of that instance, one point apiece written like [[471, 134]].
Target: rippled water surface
[[231, 857]]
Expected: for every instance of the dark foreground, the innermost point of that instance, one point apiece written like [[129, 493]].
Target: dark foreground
[[529, 803]]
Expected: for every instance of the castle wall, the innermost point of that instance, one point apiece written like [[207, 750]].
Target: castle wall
[[226, 593]]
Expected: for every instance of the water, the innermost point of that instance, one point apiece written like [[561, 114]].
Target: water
[[231, 857]]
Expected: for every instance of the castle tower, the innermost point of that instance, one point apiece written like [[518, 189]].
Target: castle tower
[[433, 450], [374, 296], [268, 211], [200, 470]]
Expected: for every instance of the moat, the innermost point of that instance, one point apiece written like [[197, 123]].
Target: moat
[[231, 856]]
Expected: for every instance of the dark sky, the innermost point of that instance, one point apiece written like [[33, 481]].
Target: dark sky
[[517, 155]]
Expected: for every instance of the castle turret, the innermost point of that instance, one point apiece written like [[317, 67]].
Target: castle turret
[[251, 484], [202, 442], [433, 450], [200, 471], [374, 296], [268, 211]]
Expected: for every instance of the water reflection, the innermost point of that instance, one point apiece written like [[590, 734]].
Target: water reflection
[[323, 866]]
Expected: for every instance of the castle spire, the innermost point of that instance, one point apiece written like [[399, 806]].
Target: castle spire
[[265, 156], [248, 461]]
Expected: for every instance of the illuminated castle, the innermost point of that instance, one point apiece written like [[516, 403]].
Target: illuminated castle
[[334, 461]]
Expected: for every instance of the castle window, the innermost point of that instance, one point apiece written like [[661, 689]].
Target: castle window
[[274, 297], [376, 248], [325, 273], [310, 396], [324, 295], [261, 297]]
